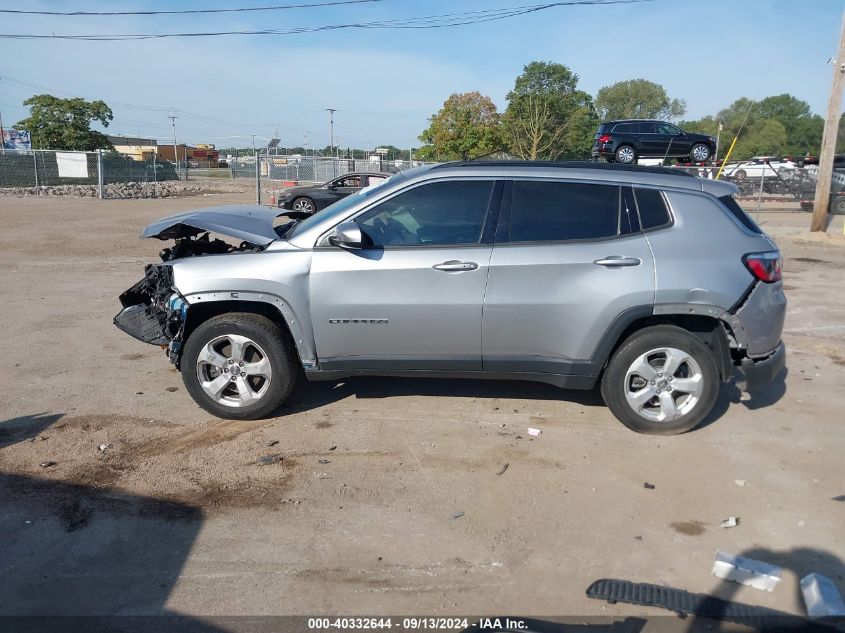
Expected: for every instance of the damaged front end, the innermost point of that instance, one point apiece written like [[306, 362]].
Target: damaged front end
[[154, 311]]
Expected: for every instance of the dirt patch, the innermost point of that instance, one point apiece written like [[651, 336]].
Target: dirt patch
[[213, 466], [689, 528]]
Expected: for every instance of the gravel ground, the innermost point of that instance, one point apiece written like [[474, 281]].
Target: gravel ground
[[388, 495]]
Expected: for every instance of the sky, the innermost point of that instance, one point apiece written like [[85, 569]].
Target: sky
[[385, 83]]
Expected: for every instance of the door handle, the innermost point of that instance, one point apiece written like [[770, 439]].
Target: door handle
[[454, 265], [614, 261]]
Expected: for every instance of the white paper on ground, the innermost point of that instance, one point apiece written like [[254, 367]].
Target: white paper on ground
[[746, 571]]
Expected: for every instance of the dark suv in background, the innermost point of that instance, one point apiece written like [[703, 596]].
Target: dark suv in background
[[627, 140]]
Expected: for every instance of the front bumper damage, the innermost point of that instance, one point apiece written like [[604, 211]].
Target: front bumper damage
[[153, 310]]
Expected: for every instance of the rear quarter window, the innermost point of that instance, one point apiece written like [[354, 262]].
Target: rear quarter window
[[738, 212], [624, 128], [652, 208]]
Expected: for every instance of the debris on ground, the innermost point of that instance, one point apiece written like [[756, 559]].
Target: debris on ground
[[838, 498], [534, 432], [746, 571], [266, 460], [503, 468], [332, 448], [457, 515], [821, 598], [103, 447], [324, 461], [740, 482], [47, 464], [648, 486], [272, 443], [729, 522]]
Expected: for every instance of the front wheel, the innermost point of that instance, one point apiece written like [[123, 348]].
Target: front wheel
[[239, 366], [700, 153], [304, 205], [662, 380]]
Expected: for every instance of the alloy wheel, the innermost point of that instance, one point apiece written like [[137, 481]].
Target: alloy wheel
[[663, 384], [234, 370]]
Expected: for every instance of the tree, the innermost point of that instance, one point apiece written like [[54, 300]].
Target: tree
[[547, 116], [56, 123], [803, 128], [637, 99], [465, 127]]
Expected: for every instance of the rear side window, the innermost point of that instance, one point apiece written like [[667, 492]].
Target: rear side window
[[647, 127], [739, 214], [652, 208], [558, 211], [623, 128]]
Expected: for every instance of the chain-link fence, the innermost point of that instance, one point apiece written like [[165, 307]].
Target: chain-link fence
[[774, 186], [88, 174], [277, 173]]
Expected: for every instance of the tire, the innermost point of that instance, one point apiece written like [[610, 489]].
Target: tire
[[625, 154], [740, 174], [700, 153], [837, 207], [304, 205], [264, 347], [627, 383]]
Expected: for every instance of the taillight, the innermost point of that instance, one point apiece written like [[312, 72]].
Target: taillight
[[605, 138], [764, 266]]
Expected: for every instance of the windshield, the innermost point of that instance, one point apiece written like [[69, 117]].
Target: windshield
[[338, 208]]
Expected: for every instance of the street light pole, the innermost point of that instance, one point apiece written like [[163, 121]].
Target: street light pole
[[173, 118], [331, 112]]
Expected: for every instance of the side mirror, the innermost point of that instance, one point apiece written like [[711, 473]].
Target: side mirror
[[347, 235]]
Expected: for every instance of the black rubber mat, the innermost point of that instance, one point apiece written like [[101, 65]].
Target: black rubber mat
[[701, 605]]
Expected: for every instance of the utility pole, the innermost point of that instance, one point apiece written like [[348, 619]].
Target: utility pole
[[831, 128], [331, 112], [173, 118], [2, 136], [253, 143]]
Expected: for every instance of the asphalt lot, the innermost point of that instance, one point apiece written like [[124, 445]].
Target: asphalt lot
[[362, 514]]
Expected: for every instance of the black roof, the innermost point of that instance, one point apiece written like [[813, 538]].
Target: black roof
[[567, 164]]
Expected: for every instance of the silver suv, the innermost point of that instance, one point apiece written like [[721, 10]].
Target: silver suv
[[651, 282]]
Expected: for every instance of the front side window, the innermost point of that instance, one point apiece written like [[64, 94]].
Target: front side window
[[440, 213], [558, 211], [348, 181]]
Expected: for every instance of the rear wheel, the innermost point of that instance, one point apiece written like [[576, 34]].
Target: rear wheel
[[662, 380], [837, 207], [740, 174], [239, 366], [625, 155]]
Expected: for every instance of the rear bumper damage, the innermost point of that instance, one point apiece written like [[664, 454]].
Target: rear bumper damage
[[758, 372], [153, 310]]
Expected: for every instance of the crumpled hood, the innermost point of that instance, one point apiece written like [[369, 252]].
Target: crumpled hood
[[248, 222]]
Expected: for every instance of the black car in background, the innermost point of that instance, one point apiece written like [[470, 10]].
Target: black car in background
[[626, 140], [309, 200]]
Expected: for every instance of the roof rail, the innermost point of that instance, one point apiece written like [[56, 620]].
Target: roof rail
[[568, 164]]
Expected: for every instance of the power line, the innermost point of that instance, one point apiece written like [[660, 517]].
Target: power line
[[278, 7], [423, 22]]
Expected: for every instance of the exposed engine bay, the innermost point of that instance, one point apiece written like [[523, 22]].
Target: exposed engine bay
[[204, 245]]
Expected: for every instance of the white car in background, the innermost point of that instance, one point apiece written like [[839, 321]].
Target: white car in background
[[761, 166]]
